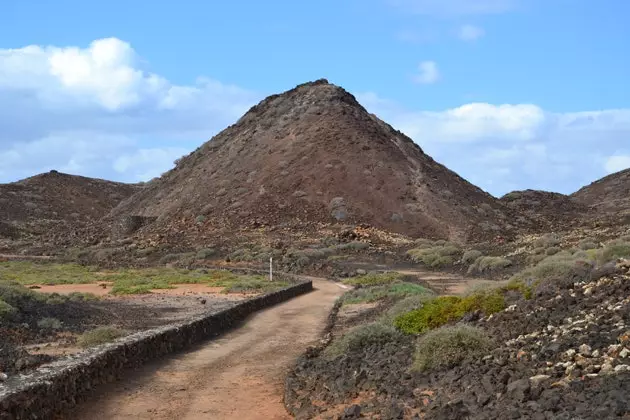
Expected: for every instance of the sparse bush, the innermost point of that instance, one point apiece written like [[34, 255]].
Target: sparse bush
[[55, 299], [540, 250], [470, 256], [355, 245], [547, 240], [200, 219], [81, 297], [361, 337], [437, 256], [206, 253], [553, 250], [49, 324], [448, 346], [535, 259], [99, 336], [375, 279], [408, 304], [560, 265], [172, 258], [423, 243], [393, 291], [614, 251], [6, 309], [488, 264], [585, 245]]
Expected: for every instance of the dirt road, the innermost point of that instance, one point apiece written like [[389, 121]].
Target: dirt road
[[238, 376]]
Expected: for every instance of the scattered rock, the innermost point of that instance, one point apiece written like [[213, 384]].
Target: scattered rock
[[585, 350], [352, 412]]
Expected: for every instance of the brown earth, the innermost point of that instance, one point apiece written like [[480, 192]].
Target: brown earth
[[608, 196], [306, 158], [239, 375], [550, 210], [56, 203]]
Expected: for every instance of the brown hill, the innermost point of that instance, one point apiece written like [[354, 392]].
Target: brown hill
[[55, 201], [550, 210], [307, 158], [608, 195]]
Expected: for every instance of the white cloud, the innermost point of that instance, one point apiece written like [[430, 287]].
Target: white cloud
[[143, 164], [542, 150], [617, 163], [470, 33], [84, 109], [455, 7], [428, 73]]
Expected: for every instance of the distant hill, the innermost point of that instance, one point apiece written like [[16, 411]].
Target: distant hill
[[55, 201], [309, 157], [550, 210], [608, 195]]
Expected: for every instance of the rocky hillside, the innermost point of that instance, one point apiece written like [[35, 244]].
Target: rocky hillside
[[550, 210], [309, 157], [56, 201], [610, 194]]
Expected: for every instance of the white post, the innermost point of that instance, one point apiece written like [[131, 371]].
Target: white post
[[270, 268]]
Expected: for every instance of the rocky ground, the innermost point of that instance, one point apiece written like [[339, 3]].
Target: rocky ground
[[26, 341], [563, 354]]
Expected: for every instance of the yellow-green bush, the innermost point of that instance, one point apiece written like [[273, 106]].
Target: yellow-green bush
[[444, 309], [99, 335], [375, 279], [436, 256], [488, 264], [471, 256]]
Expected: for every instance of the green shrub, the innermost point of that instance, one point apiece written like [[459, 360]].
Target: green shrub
[[553, 250], [5, 309], [200, 219], [446, 347], [444, 309], [50, 324], [408, 304], [614, 251], [547, 240], [361, 337], [375, 279], [560, 265], [488, 264], [99, 336], [206, 253], [393, 291], [535, 259], [355, 245], [470, 256], [423, 243], [585, 245], [82, 297], [55, 299], [540, 250], [437, 256]]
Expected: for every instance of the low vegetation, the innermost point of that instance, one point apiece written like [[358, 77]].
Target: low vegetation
[[449, 346], [361, 337], [488, 264], [125, 281], [394, 291], [375, 279], [99, 336], [471, 256], [445, 309], [436, 256]]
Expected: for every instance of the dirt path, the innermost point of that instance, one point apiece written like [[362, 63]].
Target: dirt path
[[238, 376]]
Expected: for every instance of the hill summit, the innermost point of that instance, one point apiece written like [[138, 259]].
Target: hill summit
[[311, 156]]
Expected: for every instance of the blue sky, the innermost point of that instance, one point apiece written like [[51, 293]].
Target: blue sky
[[511, 94]]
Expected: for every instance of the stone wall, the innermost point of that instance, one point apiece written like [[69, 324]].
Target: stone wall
[[57, 387]]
